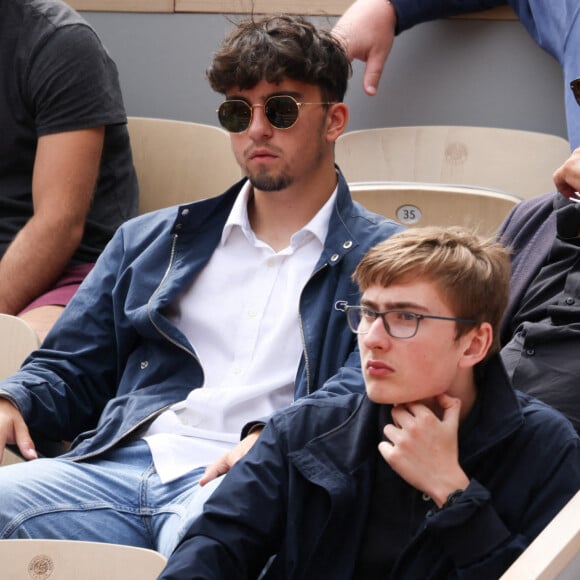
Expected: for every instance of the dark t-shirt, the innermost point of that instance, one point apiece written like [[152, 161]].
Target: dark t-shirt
[[56, 76]]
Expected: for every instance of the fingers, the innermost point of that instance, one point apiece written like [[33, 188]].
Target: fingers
[[13, 429], [228, 460], [372, 74], [24, 440], [375, 64], [217, 468], [367, 30]]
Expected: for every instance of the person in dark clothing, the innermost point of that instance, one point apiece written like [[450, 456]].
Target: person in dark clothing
[[441, 470], [541, 329], [67, 180]]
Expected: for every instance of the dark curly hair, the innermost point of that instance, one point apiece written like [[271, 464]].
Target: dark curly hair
[[273, 48]]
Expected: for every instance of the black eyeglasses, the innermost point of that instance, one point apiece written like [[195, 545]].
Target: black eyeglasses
[[281, 111], [397, 323], [575, 86]]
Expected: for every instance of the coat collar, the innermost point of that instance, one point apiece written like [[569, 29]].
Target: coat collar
[[211, 214], [333, 457]]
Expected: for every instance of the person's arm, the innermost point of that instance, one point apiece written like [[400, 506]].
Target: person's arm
[[422, 449], [243, 521], [368, 27], [65, 172], [347, 380], [479, 539], [63, 386]]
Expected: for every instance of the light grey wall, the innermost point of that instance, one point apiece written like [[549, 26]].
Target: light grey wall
[[452, 72]]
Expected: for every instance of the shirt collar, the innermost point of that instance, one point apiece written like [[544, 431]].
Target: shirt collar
[[317, 226]]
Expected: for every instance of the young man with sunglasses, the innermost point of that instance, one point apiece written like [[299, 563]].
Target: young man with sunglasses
[[441, 470], [200, 318]]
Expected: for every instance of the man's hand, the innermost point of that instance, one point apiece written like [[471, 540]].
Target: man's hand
[[13, 430], [226, 461], [367, 29], [567, 176], [423, 449]]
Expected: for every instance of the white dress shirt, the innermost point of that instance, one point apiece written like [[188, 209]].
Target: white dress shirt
[[241, 314]]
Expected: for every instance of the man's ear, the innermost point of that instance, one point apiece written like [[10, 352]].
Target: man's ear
[[476, 344], [337, 120]]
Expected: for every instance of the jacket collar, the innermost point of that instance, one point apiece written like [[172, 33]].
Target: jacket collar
[[343, 450], [212, 213]]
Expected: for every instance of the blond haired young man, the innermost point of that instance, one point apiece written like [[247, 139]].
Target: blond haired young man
[[441, 470]]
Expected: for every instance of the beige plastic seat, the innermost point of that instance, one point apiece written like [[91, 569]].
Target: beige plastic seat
[[421, 204], [17, 341], [178, 162], [555, 553], [70, 560], [512, 161]]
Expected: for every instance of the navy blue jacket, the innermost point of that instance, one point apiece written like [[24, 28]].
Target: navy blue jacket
[[114, 360], [303, 492]]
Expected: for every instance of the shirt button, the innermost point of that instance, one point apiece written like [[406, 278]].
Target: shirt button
[[185, 212], [425, 497], [570, 300], [530, 351], [252, 313], [144, 364]]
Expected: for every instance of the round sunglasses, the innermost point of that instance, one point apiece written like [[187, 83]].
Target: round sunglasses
[[281, 111]]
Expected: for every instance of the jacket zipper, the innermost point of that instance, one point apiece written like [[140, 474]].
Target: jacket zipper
[[304, 348], [168, 338]]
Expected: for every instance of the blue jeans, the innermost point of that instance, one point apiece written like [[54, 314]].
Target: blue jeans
[[116, 497]]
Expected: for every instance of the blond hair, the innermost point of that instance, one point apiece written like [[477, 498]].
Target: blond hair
[[472, 273]]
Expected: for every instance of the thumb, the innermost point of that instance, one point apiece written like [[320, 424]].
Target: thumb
[[451, 407]]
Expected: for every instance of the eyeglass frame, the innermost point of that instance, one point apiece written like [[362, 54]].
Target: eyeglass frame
[[298, 104], [575, 86], [344, 306]]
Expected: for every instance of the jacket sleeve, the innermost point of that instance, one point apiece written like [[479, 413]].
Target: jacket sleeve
[[347, 380], [553, 24], [412, 12], [243, 521], [476, 537], [62, 387]]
